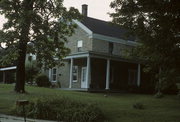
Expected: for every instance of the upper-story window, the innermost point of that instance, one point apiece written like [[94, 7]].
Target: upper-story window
[[79, 45], [111, 46]]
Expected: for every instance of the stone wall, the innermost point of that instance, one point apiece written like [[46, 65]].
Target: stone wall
[[79, 35], [118, 48], [95, 45], [63, 74]]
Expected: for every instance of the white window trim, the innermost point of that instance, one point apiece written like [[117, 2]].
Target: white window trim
[[53, 74], [80, 43], [84, 82]]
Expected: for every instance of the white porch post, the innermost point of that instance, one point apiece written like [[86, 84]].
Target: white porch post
[[88, 72], [71, 73], [139, 75], [107, 74], [50, 74], [4, 76]]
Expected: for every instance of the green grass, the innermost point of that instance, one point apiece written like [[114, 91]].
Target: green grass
[[116, 107]]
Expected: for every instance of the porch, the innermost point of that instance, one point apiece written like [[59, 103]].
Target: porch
[[93, 72]]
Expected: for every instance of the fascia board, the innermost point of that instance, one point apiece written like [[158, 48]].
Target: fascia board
[[116, 40], [82, 26]]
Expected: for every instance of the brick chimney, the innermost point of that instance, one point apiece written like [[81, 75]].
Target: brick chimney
[[84, 10]]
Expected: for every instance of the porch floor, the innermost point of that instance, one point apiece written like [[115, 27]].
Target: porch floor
[[74, 89], [94, 90]]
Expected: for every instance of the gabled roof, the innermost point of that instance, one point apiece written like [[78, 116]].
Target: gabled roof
[[106, 28]]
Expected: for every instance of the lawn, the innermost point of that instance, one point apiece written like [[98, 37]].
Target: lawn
[[117, 107]]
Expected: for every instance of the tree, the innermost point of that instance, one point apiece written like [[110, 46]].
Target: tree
[[156, 25], [45, 23], [31, 71]]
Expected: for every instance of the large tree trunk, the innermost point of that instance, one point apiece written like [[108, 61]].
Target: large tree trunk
[[20, 72], [26, 22]]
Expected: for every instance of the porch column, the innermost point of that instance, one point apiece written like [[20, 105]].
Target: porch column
[[107, 74], [71, 73], [88, 72], [50, 74], [4, 76], [139, 75]]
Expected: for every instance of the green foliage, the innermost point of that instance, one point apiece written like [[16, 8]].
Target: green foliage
[[59, 84], [26, 24], [8, 56], [42, 81], [117, 107], [31, 71], [45, 23], [155, 23], [168, 80], [61, 109]]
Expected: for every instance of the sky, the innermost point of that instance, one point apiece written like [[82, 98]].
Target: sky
[[96, 8]]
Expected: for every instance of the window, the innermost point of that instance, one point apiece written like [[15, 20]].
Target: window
[[54, 74], [111, 46], [79, 45], [75, 73], [132, 79]]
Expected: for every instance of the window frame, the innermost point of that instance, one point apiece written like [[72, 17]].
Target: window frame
[[79, 45], [54, 74], [76, 73]]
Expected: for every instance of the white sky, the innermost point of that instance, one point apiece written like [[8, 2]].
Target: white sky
[[96, 8]]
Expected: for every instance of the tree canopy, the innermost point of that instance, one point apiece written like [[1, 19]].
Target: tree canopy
[[44, 23], [156, 24]]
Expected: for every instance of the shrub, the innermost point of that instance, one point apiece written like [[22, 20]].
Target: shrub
[[42, 81], [171, 88], [59, 84], [61, 109], [138, 106], [31, 71]]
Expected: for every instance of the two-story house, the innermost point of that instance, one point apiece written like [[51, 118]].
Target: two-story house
[[97, 59]]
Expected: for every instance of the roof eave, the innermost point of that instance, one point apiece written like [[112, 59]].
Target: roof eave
[[104, 37]]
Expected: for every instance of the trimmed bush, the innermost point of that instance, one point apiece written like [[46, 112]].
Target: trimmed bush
[[61, 109], [42, 81]]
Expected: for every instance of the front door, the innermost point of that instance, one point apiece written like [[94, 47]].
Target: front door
[[83, 77]]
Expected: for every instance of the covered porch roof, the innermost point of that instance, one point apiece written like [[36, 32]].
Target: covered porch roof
[[93, 54]]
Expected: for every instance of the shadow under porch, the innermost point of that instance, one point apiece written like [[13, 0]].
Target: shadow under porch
[[122, 75]]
